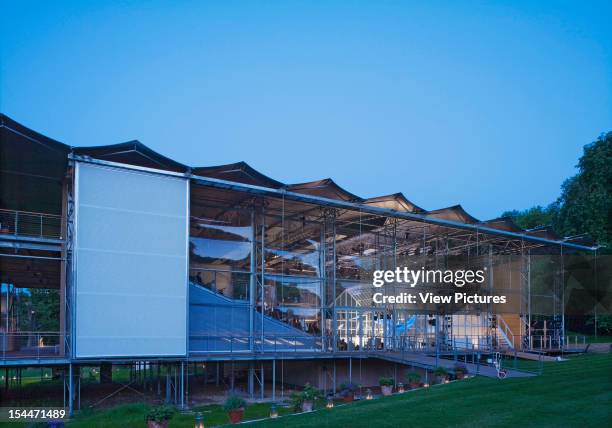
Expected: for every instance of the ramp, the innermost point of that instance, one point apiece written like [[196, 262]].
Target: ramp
[[428, 362]]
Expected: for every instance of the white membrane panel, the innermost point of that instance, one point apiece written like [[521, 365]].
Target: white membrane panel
[[130, 263]]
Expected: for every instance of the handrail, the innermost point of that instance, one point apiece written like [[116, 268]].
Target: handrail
[[31, 344], [506, 331], [27, 223]]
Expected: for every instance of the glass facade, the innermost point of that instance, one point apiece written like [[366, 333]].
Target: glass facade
[[268, 274]]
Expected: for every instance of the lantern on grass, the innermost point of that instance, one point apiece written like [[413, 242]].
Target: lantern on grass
[[273, 411], [369, 395], [400, 388], [330, 402], [199, 420]]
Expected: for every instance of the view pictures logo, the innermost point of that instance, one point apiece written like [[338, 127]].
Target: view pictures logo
[[411, 277]]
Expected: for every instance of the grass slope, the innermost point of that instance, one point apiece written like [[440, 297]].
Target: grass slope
[[574, 393]]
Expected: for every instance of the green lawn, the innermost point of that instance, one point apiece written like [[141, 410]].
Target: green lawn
[[574, 393]]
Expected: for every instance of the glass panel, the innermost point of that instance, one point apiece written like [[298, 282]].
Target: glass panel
[[293, 247], [233, 285], [307, 320], [356, 267], [292, 291], [218, 254], [221, 244]]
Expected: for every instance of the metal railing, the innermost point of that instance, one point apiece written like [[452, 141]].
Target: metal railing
[[426, 343], [37, 345], [556, 342], [203, 344], [24, 223]]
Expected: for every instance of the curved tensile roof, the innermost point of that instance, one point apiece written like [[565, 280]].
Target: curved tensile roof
[[132, 153], [395, 201], [455, 213], [49, 143], [543, 232], [48, 153], [503, 223], [240, 172], [326, 188], [41, 176]]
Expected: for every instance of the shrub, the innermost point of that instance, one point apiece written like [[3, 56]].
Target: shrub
[[348, 387], [160, 413], [386, 381], [413, 377], [440, 371], [461, 368], [233, 402], [309, 393]]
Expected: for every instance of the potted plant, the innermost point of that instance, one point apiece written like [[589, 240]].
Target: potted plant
[[386, 385], [234, 406], [440, 373], [305, 399], [347, 391], [460, 371], [414, 379], [158, 416]]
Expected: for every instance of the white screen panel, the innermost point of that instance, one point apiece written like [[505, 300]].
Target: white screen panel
[[131, 263]]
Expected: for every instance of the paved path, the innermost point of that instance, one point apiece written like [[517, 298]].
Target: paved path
[[427, 361], [602, 348]]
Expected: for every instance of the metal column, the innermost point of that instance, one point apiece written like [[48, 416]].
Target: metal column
[[70, 391], [273, 380]]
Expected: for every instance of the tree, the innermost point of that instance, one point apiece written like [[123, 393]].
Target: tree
[[533, 217], [585, 204]]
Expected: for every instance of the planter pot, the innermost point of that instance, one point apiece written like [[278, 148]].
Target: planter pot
[[235, 416], [415, 385], [157, 424], [440, 379], [348, 398], [460, 375], [386, 390], [307, 406]]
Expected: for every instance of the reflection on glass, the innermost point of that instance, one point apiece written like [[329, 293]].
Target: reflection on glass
[[291, 291], [301, 262], [217, 244], [215, 253], [307, 320], [30, 319], [356, 267], [232, 285]]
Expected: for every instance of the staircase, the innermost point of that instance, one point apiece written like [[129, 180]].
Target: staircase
[[509, 330]]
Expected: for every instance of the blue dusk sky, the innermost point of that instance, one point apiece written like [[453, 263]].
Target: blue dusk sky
[[487, 104]]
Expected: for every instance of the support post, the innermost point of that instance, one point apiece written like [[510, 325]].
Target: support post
[[182, 385], [252, 283], [70, 391], [273, 380], [251, 380], [262, 383], [334, 376]]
